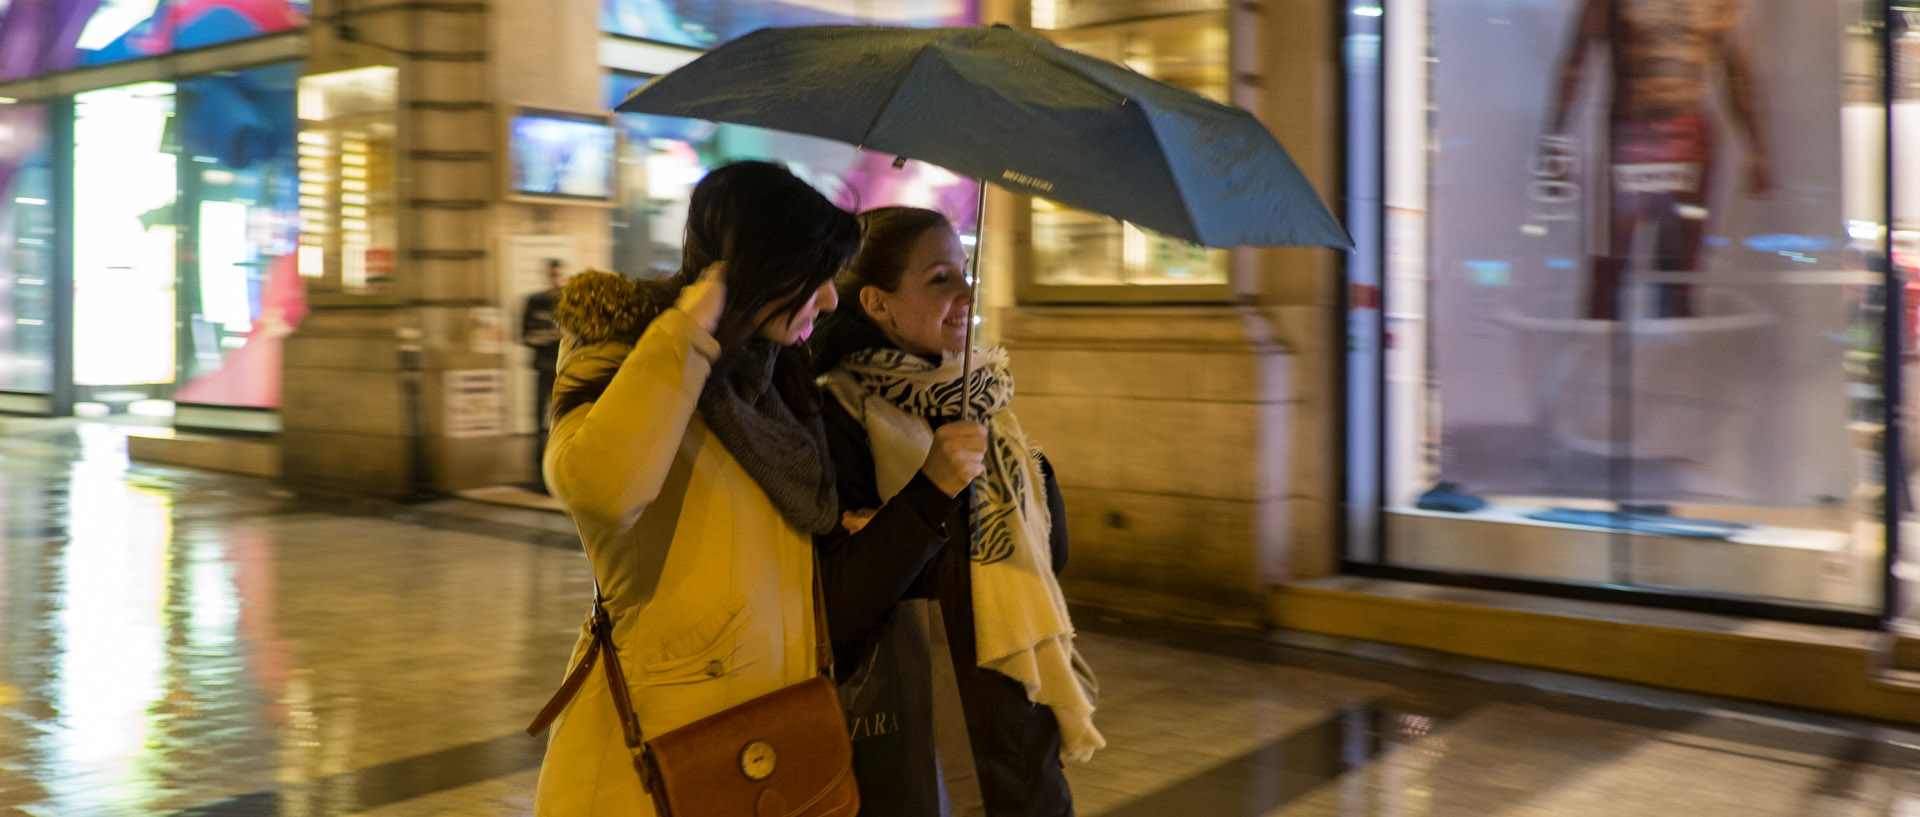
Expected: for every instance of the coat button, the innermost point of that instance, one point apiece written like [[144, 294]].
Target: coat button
[[715, 669]]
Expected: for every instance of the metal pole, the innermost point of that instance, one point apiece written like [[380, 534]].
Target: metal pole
[[186, 255], [60, 116], [1893, 343], [973, 282]]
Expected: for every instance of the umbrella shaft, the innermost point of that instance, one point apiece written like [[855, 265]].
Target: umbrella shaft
[[973, 283]]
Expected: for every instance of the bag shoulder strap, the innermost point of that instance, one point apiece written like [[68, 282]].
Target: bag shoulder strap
[[601, 629]]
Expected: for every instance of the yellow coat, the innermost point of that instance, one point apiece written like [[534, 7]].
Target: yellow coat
[[710, 589]]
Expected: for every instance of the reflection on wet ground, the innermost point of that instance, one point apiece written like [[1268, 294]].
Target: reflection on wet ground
[[174, 642]]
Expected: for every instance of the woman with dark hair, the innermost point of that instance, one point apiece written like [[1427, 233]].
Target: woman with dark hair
[[687, 444], [937, 505]]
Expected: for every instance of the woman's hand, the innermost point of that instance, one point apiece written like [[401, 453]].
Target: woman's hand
[[705, 298], [853, 521], [958, 455]]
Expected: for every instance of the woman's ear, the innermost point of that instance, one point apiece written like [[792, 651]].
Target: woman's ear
[[873, 300]]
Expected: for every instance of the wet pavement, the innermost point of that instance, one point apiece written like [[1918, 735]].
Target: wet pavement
[[183, 643]]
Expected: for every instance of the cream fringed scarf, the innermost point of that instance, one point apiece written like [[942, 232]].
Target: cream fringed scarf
[[1019, 616]]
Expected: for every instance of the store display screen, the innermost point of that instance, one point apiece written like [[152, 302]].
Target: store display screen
[[559, 157]]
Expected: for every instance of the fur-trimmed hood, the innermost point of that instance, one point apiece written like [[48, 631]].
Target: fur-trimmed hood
[[601, 316], [595, 307]]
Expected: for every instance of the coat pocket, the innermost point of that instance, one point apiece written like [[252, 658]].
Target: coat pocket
[[709, 648]]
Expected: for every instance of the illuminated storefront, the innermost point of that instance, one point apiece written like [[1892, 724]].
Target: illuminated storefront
[[707, 24], [661, 158], [26, 256], [150, 227], [1081, 257], [1618, 326]]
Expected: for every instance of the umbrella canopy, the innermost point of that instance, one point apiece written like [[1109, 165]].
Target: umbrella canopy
[[1016, 110]]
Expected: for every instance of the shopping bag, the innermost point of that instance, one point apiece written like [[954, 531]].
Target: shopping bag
[[911, 754]]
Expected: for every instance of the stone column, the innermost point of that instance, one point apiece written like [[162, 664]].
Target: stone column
[[368, 406], [1289, 75]]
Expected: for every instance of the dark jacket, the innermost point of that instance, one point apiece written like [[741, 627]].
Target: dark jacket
[[917, 547], [540, 332]]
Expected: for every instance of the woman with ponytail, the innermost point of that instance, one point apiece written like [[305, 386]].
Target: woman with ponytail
[[687, 444], [952, 505]]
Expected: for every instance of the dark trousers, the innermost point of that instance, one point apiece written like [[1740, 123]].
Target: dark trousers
[[542, 423]]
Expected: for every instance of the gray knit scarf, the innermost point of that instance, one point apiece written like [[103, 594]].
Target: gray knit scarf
[[785, 455]]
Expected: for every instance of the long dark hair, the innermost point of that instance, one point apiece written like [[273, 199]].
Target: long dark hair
[[780, 238], [887, 235]]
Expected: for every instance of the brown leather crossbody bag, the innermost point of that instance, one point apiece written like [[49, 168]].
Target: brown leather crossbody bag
[[783, 754]]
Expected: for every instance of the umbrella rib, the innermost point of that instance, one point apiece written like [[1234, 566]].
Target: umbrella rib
[[888, 102], [1127, 98], [1186, 208]]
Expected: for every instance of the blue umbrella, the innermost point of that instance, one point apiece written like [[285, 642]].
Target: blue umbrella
[[1011, 108]]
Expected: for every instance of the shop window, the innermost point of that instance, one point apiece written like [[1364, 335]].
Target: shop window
[[1077, 255], [1631, 320], [26, 250], [239, 198], [185, 227], [346, 153], [1904, 260], [662, 158]]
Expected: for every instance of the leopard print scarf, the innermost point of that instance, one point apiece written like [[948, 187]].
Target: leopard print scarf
[[932, 393]]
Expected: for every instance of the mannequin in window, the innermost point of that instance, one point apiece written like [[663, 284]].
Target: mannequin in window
[[1662, 149]]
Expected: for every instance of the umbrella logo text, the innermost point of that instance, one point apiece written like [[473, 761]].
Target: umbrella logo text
[[1030, 181]]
